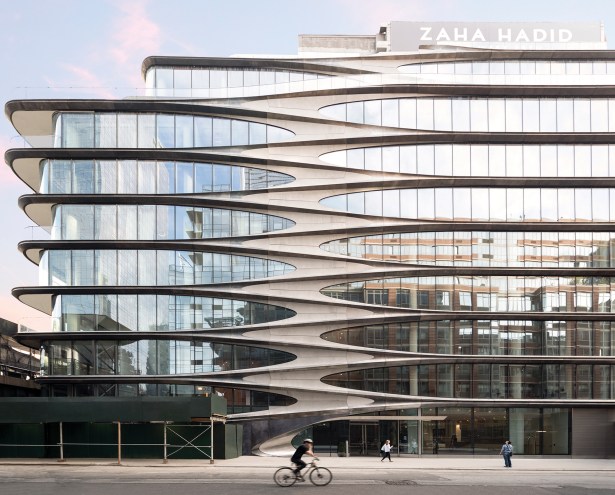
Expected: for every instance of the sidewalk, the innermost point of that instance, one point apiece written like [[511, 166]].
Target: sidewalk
[[440, 462]]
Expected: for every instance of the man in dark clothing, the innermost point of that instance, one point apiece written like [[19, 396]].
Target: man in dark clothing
[[303, 449]]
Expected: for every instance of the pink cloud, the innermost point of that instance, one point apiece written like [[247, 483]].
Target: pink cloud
[[135, 36]]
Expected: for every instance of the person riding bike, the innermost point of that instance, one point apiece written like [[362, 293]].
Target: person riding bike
[[306, 448]]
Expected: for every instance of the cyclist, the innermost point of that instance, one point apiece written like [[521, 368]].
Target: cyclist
[[307, 447]]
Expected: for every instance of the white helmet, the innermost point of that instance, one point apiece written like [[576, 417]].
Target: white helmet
[[308, 440]]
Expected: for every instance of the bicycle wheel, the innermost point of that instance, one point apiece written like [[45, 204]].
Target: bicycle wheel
[[284, 476], [321, 476]]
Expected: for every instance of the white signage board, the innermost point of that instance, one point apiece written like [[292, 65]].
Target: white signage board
[[408, 36]]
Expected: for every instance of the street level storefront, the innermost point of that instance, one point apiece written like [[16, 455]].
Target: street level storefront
[[459, 430]]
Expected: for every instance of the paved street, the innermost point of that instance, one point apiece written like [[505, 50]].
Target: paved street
[[351, 476]]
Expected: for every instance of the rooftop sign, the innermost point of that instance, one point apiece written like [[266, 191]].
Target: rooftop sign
[[408, 36]]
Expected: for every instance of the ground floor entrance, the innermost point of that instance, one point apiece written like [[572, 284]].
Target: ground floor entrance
[[450, 431]]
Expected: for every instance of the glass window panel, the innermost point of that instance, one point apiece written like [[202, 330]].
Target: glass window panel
[[461, 161], [372, 112], [77, 130], [463, 203], [548, 206], [166, 178], [531, 161], [203, 132], [106, 267], [424, 113], [548, 161], [127, 222], [582, 115], [373, 203], [165, 126], [599, 116], [514, 114], [514, 161], [184, 131], [146, 268], [105, 222], [105, 176], [461, 114], [444, 204], [184, 175], [582, 161], [235, 78], [565, 161], [425, 159], [60, 176], [514, 205], [426, 203], [497, 210], [497, 115], [218, 78], [531, 115], [443, 159], [611, 104], [127, 177], [82, 267], [373, 158], [221, 132], [127, 267], [83, 177], [390, 113], [583, 204], [106, 130], [258, 133], [548, 116], [355, 158], [565, 115], [480, 204], [565, 205], [147, 222], [531, 205], [407, 159], [443, 118], [126, 130], [334, 112], [407, 113], [146, 131], [600, 161], [203, 181], [600, 205], [354, 112], [390, 159], [239, 132], [408, 203], [147, 177], [356, 202], [222, 178], [479, 115], [391, 203]]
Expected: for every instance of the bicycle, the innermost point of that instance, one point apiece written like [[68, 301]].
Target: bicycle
[[319, 476]]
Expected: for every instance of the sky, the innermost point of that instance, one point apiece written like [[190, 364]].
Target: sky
[[94, 48]]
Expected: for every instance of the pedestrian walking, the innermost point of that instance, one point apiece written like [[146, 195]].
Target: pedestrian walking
[[386, 450], [507, 451]]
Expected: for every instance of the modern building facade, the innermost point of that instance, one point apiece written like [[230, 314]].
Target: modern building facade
[[404, 236]]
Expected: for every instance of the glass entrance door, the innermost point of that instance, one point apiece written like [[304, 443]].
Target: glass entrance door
[[364, 439]]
